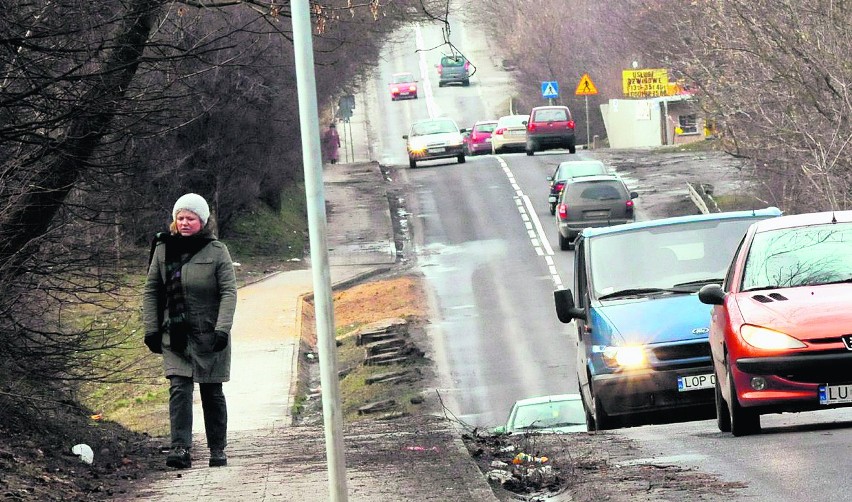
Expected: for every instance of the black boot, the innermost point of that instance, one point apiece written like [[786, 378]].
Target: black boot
[[179, 458], [218, 458]]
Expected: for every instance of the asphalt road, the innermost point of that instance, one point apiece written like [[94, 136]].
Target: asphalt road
[[486, 243]]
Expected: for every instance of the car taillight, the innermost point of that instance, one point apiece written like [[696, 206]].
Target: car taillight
[[531, 127], [562, 211], [440, 68], [558, 186], [570, 124], [499, 131], [629, 206], [467, 65], [412, 87], [394, 89]]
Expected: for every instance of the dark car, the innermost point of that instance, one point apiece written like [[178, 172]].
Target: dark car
[[567, 171], [592, 201], [478, 139], [642, 333], [781, 329], [403, 86], [550, 127], [453, 70], [434, 139]]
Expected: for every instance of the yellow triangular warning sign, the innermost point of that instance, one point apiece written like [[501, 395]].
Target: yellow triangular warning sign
[[586, 87]]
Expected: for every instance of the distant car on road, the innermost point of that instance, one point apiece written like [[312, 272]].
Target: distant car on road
[[403, 86], [556, 413], [453, 69], [781, 329], [592, 201], [550, 127], [510, 133], [567, 171], [433, 139], [478, 138], [642, 333]]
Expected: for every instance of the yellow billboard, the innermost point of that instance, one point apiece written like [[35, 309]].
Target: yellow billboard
[[645, 83]]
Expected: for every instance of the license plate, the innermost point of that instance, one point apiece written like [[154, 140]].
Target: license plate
[[696, 382], [435, 150], [835, 394], [552, 198], [595, 215]]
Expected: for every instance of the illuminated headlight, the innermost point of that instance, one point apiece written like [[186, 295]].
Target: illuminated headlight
[[417, 146], [764, 338], [627, 357]]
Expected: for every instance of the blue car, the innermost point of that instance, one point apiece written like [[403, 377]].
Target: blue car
[[642, 333]]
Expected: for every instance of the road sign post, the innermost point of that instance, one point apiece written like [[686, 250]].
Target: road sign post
[[586, 88]]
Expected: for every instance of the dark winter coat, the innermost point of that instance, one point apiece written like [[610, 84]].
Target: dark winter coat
[[210, 292]]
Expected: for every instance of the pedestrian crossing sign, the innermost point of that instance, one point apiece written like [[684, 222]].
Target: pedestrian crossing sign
[[550, 89], [586, 87]]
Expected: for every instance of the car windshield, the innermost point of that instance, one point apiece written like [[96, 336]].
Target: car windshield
[[550, 414], [575, 169], [489, 127], [801, 256], [402, 78], [551, 115], [513, 121], [433, 127], [452, 61], [663, 260]]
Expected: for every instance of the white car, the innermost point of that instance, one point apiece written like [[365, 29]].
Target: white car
[[510, 133], [433, 139], [556, 413]]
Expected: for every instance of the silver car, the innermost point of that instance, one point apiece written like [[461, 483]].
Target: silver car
[[592, 201], [434, 139]]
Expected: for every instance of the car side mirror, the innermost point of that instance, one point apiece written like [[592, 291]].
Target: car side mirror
[[524, 122], [711, 294], [549, 178], [404, 136], [566, 311], [634, 195], [462, 131]]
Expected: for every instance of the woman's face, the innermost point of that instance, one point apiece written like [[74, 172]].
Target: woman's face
[[188, 223]]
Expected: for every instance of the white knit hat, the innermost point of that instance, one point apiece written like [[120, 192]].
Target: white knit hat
[[195, 203]]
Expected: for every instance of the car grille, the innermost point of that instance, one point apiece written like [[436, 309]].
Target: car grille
[[670, 353]]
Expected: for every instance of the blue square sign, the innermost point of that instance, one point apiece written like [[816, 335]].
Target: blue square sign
[[550, 89]]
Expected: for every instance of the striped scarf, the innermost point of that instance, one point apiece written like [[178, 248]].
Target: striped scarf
[[179, 250]]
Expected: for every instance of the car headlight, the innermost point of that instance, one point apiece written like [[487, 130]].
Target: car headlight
[[627, 357], [765, 338], [417, 146]]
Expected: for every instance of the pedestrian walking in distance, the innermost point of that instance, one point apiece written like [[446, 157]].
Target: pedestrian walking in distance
[[188, 308], [331, 144]]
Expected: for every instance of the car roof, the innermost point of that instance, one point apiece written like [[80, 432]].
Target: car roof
[[805, 219], [579, 162], [489, 121], [662, 222], [545, 107], [436, 119], [547, 399], [597, 177]]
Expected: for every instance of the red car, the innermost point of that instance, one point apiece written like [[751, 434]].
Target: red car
[[403, 86], [781, 324], [478, 140]]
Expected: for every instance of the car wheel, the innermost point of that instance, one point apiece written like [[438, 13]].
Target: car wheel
[[529, 152], [412, 163], [552, 208], [590, 419], [723, 417], [461, 159], [466, 82], [440, 84], [564, 243], [743, 421], [602, 420], [572, 148]]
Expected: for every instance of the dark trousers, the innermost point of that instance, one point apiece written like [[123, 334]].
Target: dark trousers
[[180, 413]]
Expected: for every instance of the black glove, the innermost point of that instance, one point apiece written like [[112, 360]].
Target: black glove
[[154, 341], [220, 342]]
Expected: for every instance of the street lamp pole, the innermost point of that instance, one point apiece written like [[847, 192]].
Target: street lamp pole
[[317, 231]]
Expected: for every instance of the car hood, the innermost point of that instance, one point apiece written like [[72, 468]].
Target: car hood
[[808, 312], [652, 320], [443, 137]]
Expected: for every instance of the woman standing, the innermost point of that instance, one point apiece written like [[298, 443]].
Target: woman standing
[[331, 144], [188, 309]]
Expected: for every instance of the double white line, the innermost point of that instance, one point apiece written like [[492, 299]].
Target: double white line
[[533, 225]]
